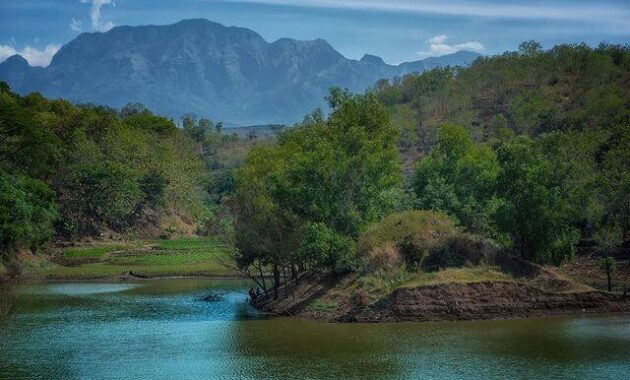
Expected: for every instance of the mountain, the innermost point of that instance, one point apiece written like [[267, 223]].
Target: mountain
[[202, 67]]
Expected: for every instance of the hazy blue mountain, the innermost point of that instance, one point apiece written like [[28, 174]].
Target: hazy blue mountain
[[199, 66]]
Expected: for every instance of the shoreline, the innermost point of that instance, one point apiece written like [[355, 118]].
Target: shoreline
[[585, 314], [40, 280], [489, 300], [449, 309]]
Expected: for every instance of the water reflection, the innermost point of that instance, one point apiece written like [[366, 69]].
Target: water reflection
[[7, 301], [163, 329]]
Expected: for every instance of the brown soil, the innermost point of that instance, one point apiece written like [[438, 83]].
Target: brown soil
[[487, 300], [535, 291]]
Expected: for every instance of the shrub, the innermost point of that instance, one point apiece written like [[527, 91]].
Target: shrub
[[460, 250], [323, 247], [412, 233], [383, 257]]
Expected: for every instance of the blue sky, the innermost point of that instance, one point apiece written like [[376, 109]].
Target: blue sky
[[397, 30]]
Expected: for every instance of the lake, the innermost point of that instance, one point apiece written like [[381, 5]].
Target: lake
[[163, 329]]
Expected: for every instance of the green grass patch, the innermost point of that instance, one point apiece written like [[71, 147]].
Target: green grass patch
[[190, 244], [384, 282], [90, 252], [322, 305], [178, 257]]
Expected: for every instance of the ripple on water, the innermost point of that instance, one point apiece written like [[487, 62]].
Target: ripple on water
[[76, 289]]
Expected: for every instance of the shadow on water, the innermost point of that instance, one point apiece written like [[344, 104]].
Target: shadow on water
[[556, 348], [281, 348], [7, 301]]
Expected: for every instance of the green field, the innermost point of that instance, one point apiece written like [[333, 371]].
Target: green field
[[178, 257]]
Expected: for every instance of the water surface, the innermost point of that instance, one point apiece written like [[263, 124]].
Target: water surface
[[164, 330]]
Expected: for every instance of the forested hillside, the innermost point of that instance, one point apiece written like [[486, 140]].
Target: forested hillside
[[78, 171], [530, 91], [523, 153], [526, 152], [546, 131]]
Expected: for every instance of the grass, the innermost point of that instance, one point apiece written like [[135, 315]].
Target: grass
[[96, 251], [178, 257], [322, 305], [456, 275], [381, 283]]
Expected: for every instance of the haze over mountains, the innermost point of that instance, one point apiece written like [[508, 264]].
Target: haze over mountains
[[198, 66]]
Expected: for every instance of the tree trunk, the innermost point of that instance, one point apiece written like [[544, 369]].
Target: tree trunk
[[262, 277], [609, 275], [286, 283], [276, 280], [294, 274]]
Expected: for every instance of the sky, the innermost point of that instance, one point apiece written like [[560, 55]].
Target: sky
[[396, 30]]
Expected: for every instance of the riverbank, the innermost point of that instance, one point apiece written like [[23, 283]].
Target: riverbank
[[512, 289], [130, 260]]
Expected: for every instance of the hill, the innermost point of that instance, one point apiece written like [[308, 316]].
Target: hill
[[202, 67]]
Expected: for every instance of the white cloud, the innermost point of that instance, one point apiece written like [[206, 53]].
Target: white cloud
[[95, 14], [6, 51], [477, 8], [438, 46], [34, 56], [75, 25]]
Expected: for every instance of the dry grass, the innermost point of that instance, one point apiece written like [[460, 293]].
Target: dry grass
[[586, 270], [425, 228], [456, 275]]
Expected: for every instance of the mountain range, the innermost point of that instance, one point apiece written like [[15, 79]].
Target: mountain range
[[202, 67]]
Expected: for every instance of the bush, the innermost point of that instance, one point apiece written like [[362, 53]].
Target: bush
[[384, 257], [412, 233], [322, 247], [460, 250]]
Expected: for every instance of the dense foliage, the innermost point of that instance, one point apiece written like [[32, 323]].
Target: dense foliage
[[529, 147], [526, 152], [301, 202], [73, 171], [530, 91]]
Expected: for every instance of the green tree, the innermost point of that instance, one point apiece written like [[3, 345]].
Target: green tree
[[534, 207], [614, 183], [27, 213], [322, 247], [458, 178], [326, 177], [608, 265]]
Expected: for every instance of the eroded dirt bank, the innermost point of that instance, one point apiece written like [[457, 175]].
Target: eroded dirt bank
[[486, 300], [445, 302]]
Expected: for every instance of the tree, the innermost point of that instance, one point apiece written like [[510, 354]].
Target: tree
[[337, 96], [27, 213], [615, 183], [106, 168], [534, 207], [316, 189], [530, 48], [608, 265], [322, 247], [458, 178]]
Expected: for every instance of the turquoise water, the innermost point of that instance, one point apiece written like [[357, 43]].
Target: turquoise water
[[164, 330]]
